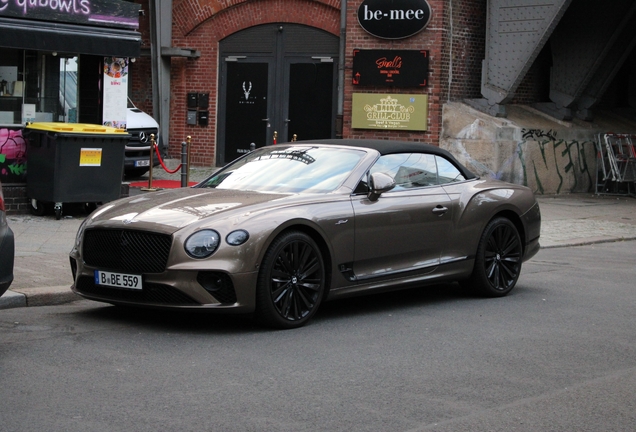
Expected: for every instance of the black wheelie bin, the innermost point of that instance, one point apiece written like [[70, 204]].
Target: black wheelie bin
[[73, 163]]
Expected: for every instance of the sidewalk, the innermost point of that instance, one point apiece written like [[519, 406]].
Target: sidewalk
[[42, 274]]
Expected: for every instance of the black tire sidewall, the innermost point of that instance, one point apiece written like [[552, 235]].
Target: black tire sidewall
[[266, 312], [479, 279]]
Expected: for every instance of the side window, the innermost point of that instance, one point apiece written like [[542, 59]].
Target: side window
[[409, 170], [448, 173]]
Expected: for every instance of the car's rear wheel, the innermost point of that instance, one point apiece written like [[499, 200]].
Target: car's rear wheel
[[291, 281], [498, 259]]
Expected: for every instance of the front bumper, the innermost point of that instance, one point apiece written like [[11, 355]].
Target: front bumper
[[174, 289]]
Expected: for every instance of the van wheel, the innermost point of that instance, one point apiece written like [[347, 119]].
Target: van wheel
[[135, 172]]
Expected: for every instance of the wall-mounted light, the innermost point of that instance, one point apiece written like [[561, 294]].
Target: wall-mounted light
[[132, 60], [54, 53]]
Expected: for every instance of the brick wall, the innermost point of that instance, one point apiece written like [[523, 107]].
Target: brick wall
[[464, 49], [455, 39], [201, 25], [15, 199]]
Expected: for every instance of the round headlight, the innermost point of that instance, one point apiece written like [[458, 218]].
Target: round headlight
[[236, 238], [202, 243]]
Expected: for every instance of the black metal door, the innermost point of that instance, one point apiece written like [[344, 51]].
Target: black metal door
[[276, 81], [246, 107], [309, 107]]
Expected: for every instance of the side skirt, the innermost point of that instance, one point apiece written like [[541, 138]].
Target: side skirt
[[451, 271]]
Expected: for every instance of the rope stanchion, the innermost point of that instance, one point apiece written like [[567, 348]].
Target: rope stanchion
[[184, 165], [164, 165], [150, 164]]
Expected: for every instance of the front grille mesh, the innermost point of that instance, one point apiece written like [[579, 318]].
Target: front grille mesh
[[126, 250], [151, 293]]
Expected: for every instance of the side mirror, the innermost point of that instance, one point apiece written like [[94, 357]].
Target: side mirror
[[378, 184]]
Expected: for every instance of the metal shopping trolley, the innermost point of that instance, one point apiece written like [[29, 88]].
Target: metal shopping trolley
[[616, 164]]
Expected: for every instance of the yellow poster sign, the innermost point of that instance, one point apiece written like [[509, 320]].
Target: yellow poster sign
[[90, 157], [391, 112]]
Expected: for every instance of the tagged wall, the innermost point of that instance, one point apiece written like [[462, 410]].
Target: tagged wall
[[549, 156], [12, 156]]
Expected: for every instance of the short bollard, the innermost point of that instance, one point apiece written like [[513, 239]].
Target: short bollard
[[184, 164]]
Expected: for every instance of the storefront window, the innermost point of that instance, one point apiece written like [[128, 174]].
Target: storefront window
[[37, 86]]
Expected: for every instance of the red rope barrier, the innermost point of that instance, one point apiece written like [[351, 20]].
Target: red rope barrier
[[163, 165]]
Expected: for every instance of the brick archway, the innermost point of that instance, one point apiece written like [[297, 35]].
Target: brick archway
[[230, 16], [201, 24]]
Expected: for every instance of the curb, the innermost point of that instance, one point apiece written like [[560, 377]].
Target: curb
[[45, 296]]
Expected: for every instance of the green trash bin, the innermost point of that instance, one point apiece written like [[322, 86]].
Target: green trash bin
[[73, 163]]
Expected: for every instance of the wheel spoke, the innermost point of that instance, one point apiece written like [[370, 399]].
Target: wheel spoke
[[296, 280], [502, 257]]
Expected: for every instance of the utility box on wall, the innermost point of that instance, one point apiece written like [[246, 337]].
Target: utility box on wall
[[198, 113]]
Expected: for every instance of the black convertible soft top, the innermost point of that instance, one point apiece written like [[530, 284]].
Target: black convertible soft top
[[385, 147]]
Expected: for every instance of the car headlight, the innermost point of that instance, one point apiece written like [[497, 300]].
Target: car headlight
[[202, 243], [236, 238]]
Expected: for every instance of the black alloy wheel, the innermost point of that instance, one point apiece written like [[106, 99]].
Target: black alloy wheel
[[291, 282], [498, 260]]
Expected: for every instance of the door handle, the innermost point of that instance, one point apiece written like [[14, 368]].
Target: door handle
[[440, 210]]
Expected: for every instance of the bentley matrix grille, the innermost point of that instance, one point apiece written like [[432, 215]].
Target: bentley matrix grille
[[126, 250]]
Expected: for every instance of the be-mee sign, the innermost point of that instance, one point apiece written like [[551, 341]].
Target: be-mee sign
[[394, 19]]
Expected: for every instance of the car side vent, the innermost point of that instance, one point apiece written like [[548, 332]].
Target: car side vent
[[219, 285]]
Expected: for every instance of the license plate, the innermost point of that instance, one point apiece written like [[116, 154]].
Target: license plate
[[118, 280], [142, 163]]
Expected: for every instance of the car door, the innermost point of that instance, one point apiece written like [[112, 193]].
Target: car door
[[404, 230]]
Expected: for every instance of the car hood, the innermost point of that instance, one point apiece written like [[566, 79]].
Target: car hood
[[170, 210]]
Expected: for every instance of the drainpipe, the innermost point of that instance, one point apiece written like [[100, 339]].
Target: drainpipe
[[341, 67], [161, 36]]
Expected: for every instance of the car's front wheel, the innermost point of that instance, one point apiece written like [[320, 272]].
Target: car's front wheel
[[498, 259], [291, 281]]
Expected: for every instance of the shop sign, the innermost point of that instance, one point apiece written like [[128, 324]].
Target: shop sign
[[103, 13], [390, 111], [394, 19], [405, 68]]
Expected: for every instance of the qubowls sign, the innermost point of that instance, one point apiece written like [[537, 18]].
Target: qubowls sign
[[394, 19]]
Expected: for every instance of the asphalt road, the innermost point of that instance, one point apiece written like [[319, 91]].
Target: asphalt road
[[558, 354]]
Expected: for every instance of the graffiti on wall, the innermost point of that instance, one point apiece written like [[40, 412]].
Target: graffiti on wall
[[13, 159], [533, 134], [537, 158], [564, 166]]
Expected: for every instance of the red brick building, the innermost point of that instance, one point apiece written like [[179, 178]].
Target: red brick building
[[277, 37]]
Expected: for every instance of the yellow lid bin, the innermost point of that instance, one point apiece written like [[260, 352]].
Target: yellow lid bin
[[75, 128], [73, 163]]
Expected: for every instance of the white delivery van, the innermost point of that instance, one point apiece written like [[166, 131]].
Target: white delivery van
[[137, 154]]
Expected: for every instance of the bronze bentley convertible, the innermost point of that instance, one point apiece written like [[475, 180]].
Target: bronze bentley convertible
[[285, 227]]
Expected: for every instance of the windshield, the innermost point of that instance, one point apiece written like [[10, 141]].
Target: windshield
[[288, 169]]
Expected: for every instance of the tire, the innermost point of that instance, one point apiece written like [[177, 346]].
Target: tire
[[135, 172], [498, 259], [291, 282], [90, 207], [37, 208]]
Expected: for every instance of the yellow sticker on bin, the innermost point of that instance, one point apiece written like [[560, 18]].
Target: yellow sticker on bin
[[90, 157]]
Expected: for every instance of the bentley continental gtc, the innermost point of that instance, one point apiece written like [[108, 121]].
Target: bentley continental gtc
[[285, 227]]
